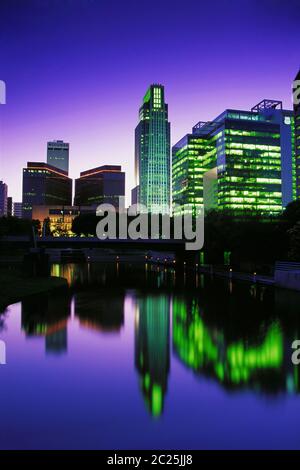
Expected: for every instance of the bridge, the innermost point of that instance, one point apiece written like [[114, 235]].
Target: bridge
[[171, 246]]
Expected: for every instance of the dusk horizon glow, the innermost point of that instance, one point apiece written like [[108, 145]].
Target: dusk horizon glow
[[78, 71]]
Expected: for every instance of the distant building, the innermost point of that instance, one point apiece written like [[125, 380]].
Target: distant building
[[3, 199], [44, 185], [135, 195], [243, 162], [104, 184], [17, 209], [58, 154], [152, 153], [297, 131], [9, 206]]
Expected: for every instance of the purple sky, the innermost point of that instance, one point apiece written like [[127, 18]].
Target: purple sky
[[77, 70]]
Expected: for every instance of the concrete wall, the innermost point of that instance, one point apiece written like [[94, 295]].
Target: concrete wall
[[287, 279]]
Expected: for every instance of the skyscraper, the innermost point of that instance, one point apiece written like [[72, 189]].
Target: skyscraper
[[44, 184], [102, 185], [58, 154], [243, 161], [3, 199], [152, 153], [296, 87]]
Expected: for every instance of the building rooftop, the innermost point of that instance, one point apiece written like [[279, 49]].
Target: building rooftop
[[46, 166], [259, 112], [102, 169]]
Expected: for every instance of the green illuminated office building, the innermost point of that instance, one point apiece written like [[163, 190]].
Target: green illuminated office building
[[242, 162], [296, 88], [152, 153]]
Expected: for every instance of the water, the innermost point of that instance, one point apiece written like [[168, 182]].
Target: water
[[135, 357]]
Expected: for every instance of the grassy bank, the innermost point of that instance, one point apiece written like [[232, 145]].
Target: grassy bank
[[14, 286]]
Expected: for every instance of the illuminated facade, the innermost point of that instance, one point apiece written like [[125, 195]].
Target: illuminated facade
[[152, 153], [44, 185], [297, 130], [58, 154], [101, 185], [243, 162], [60, 218]]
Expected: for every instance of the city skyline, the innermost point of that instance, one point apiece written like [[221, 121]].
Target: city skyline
[[86, 95], [131, 174]]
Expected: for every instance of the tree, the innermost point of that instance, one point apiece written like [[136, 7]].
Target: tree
[[46, 227], [85, 224], [291, 215], [16, 226]]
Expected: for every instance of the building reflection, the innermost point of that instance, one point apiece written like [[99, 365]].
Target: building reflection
[[239, 335], [115, 272], [152, 349], [47, 315], [260, 361], [99, 310], [70, 271]]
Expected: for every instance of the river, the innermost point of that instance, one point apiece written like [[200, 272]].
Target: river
[[140, 357]]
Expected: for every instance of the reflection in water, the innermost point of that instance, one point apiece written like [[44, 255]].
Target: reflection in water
[[256, 362], [3, 317], [47, 315], [114, 275], [71, 272], [216, 336], [152, 352], [100, 311], [194, 345]]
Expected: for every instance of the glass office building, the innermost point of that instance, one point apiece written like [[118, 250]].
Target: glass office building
[[152, 153], [296, 88], [43, 185], [101, 185], [243, 162]]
